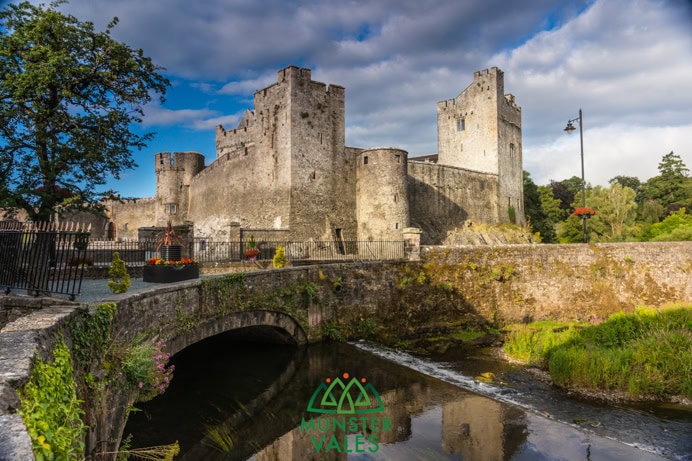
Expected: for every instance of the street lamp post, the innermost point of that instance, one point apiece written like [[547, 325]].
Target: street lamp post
[[569, 129]]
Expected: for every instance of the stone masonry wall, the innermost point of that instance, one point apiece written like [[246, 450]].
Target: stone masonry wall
[[322, 171], [442, 198], [382, 203], [517, 283]]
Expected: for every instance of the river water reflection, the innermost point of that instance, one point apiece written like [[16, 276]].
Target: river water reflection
[[234, 400]]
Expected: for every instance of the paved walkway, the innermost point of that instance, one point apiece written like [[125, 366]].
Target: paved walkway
[[94, 290]]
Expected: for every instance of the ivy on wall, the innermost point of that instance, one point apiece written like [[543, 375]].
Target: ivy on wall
[[51, 410]]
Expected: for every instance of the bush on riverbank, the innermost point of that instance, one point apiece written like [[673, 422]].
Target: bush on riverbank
[[648, 353]]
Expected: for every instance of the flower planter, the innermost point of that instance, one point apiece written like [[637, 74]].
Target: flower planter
[[169, 273]]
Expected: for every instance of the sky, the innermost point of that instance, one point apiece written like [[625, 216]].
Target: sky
[[626, 63]]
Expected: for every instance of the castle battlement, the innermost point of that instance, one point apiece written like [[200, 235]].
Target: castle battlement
[[486, 72]]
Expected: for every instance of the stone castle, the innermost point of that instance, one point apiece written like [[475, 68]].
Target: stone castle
[[285, 168]]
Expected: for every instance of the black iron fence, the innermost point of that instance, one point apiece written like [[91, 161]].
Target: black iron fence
[[137, 253], [42, 258], [333, 250]]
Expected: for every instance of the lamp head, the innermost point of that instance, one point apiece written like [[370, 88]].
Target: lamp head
[[569, 128]]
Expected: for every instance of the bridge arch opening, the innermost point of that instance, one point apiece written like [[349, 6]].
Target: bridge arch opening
[[248, 326]]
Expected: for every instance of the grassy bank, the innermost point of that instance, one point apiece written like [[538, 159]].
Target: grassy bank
[[644, 354]]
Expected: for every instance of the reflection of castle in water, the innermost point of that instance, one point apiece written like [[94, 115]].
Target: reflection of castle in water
[[475, 427], [423, 414]]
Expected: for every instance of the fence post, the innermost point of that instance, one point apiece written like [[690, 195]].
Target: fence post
[[412, 243]]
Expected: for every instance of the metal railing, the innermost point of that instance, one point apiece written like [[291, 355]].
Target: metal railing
[[134, 253], [137, 253], [334, 250], [42, 258]]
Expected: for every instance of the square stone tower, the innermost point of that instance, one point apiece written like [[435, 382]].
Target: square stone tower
[[480, 130]]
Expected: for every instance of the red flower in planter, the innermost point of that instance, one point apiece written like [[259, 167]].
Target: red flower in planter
[[252, 252], [163, 262]]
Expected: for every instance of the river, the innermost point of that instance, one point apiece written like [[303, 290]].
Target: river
[[235, 400]]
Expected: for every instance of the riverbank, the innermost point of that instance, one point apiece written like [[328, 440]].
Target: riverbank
[[644, 356]]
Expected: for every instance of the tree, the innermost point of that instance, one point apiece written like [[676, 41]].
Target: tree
[[533, 209], [566, 191], [676, 227], [68, 98], [629, 181], [616, 209], [672, 188]]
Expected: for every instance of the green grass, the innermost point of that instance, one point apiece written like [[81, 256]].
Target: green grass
[[530, 343], [469, 335], [648, 353]]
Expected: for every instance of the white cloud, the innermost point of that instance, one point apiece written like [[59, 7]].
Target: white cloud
[[629, 66], [155, 115], [609, 151], [626, 63]]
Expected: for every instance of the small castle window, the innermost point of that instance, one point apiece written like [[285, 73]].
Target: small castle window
[[171, 160], [398, 158], [461, 147], [365, 160], [313, 175], [511, 150], [461, 124], [396, 226], [171, 208]]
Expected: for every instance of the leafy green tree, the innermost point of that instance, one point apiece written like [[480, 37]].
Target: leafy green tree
[[617, 209], [651, 212], [571, 229], [629, 181], [69, 96], [551, 205], [533, 209], [676, 227], [672, 188]]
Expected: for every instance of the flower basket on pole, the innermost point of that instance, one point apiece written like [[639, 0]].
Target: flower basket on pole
[[584, 213]]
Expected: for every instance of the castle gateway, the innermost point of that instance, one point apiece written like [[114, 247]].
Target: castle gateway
[[286, 168]]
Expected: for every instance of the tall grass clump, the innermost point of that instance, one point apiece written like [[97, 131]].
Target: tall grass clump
[[530, 343], [647, 353]]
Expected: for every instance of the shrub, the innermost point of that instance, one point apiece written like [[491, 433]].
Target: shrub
[[145, 369], [119, 278], [279, 260]]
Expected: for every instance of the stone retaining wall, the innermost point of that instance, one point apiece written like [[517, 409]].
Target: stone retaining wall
[[517, 283]]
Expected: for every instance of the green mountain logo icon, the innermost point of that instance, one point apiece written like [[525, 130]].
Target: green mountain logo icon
[[345, 397]]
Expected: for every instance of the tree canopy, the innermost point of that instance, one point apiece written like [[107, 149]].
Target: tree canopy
[[69, 98], [672, 188], [627, 210]]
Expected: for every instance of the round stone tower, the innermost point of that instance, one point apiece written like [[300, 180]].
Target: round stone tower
[[382, 194], [174, 172]]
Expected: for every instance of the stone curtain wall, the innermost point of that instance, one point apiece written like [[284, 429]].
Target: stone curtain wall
[[441, 198], [518, 283]]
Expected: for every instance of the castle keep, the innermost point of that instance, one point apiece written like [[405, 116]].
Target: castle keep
[[286, 168]]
